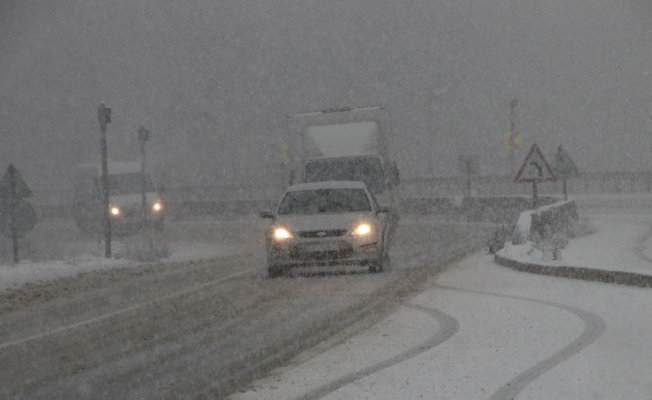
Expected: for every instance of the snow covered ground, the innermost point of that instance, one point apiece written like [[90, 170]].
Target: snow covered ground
[[620, 242], [484, 331], [58, 249]]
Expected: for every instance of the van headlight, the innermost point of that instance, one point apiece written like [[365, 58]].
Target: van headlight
[[115, 211], [157, 207], [281, 233], [362, 230]]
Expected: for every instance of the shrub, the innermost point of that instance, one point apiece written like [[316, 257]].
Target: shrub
[[498, 239]]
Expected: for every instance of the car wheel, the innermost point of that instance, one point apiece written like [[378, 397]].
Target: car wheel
[[158, 226], [275, 271], [383, 263]]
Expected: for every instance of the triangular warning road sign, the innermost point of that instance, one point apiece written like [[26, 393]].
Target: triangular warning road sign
[[13, 181], [535, 168]]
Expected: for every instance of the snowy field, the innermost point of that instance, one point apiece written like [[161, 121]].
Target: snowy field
[[56, 248]]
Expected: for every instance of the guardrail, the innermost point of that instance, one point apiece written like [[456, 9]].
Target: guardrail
[[499, 209]]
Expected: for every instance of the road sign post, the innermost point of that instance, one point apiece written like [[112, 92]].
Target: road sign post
[[535, 169], [12, 191], [513, 134], [564, 168], [104, 116], [469, 167]]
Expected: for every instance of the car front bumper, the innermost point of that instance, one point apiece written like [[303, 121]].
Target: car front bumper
[[323, 252]]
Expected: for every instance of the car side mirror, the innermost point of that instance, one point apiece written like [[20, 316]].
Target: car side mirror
[[384, 209], [266, 214]]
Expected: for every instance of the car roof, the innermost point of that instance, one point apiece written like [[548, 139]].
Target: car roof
[[327, 185]]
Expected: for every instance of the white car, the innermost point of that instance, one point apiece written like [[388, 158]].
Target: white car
[[327, 224], [125, 197]]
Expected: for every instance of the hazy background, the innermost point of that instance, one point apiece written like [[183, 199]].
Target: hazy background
[[215, 80]]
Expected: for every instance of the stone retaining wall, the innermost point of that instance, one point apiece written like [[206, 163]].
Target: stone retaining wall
[[583, 273]]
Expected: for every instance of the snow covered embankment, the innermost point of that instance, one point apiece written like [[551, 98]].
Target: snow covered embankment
[[539, 237]]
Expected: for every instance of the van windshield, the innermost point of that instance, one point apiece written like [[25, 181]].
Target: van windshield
[[366, 169], [129, 183]]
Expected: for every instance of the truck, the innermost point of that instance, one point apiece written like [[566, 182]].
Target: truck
[[125, 197], [345, 144]]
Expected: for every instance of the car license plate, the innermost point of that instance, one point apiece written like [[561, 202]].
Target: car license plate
[[326, 246]]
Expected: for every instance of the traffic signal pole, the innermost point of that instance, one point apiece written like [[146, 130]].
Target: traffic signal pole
[[104, 116], [143, 136]]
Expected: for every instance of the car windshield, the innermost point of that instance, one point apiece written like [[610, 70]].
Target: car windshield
[[129, 183], [320, 201]]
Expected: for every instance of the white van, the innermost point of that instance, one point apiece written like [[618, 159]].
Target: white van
[[125, 197]]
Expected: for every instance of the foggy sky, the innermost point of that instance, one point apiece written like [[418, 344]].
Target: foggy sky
[[214, 81]]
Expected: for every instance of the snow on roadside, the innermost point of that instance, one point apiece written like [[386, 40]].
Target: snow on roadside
[[57, 249], [608, 248], [16, 275], [91, 259]]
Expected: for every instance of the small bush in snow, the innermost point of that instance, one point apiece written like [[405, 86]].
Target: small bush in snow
[[550, 243], [498, 239], [518, 236]]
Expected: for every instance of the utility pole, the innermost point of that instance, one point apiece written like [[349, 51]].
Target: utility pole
[[104, 116]]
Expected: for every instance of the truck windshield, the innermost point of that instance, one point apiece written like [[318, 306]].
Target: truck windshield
[[129, 183], [366, 169], [319, 201]]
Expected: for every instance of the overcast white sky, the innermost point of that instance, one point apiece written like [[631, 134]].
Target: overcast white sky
[[214, 81]]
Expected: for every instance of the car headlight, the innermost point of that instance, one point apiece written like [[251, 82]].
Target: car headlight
[[157, 207], [282, 234], [362, 229], [115, 211]]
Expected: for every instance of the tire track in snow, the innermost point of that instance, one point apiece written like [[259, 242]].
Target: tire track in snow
[[125, 310], [594, 327], [448, 327]]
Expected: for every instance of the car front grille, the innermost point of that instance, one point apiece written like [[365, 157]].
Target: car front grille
[[322, 233]]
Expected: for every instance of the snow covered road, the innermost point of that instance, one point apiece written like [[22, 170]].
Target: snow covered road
[[190, 328], [484, 331]]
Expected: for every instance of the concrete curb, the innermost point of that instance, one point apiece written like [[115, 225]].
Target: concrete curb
[[582, 273]]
